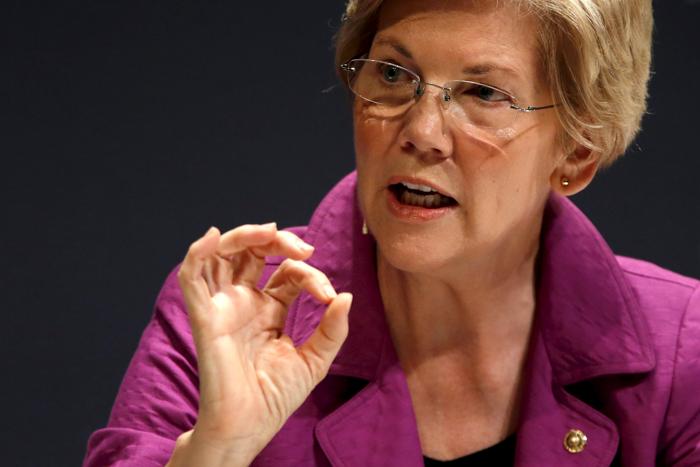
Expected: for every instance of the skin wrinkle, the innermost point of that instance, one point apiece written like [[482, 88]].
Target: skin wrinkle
[[474, 71], [457, 113], [468, 130], [459, 122], [493, 46], [459, 290]]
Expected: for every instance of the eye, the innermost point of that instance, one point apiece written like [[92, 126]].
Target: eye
[[482, 92], [489, 94], [392, 73]]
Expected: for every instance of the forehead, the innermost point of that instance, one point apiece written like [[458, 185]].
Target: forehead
[[462, 34]]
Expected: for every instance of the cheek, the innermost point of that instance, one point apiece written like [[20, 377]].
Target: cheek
[[372, 135], [524, 162], [369, 136], [373, 139], [504, 185]]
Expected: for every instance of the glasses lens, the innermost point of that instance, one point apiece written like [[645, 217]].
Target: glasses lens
[[383, 83], [394, 89], [482, 105]]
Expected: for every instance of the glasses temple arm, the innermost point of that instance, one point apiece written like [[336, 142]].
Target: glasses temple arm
[[531, 108]]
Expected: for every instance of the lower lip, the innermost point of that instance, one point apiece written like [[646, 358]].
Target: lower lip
[[414, 213]]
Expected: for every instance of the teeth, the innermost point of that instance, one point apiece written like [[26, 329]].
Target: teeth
[[423, 188], [426, 201]]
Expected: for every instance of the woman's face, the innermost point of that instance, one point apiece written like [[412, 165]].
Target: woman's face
[[495, 181]]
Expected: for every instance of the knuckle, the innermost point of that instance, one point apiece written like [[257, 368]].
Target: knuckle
[[183, 439], [316, 364], [248, 228], [289, 265], [192, 249], [184, 275], [314, 275], [289, 236], [282, 267], [321, 276], [197, 322]]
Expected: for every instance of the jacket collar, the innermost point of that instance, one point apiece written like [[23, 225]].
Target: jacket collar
[[587, 312], [585, 308], [584, 327], [347, 257]]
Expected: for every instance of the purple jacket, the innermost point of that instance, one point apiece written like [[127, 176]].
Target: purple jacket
[[614, 354]]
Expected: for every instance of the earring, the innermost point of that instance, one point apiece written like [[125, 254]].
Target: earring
[[564, 182], [365, 230]]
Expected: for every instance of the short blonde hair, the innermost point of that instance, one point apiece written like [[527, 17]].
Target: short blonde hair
[[596, 57]]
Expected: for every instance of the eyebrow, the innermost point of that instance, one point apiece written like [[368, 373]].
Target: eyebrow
[[473, 70], [487, 68], [395, 45]]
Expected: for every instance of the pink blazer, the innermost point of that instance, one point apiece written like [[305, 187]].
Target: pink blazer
[[615, 354]]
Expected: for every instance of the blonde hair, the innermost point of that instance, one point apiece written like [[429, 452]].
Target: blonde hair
[[596, 57]]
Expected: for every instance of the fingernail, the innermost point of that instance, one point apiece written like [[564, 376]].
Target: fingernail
[[329, 291], [270, 225], [303, 246], [211, 229], [350, 307]]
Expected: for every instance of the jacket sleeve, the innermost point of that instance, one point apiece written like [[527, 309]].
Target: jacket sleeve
[[682, 428], [158, 397]]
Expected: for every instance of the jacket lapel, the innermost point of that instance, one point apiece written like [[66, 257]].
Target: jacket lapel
[[377, 426], [549, 414], [585, 328], [586, 309]]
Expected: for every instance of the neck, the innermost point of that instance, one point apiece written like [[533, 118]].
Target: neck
[[485, 313]]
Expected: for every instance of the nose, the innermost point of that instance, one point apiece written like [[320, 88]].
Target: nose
[[425, 131]]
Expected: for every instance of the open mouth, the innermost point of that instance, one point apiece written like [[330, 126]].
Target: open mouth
[[422, 196]]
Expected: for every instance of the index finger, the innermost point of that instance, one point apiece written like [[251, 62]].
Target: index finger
[[244, 237], [263, 241], [248, 265]]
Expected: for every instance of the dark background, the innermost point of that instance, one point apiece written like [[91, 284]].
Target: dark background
[[128, 128]]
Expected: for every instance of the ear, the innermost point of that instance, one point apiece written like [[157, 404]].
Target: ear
[[578, 167]]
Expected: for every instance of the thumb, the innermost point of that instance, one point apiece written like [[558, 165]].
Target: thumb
[[320, 349]]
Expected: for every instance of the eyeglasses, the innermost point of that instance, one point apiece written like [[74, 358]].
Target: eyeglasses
[[395, 88]]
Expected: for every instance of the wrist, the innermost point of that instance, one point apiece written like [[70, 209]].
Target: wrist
[[191, 448]]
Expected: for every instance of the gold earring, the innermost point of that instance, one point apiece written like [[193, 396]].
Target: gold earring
[[365, 230], [564, 182]]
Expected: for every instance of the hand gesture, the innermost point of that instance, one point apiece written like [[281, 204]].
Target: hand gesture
[[252, 377]]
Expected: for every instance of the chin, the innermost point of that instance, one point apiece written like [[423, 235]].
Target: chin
[[416, 252]]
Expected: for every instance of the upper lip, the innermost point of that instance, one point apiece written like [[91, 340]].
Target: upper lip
[[420, 181]]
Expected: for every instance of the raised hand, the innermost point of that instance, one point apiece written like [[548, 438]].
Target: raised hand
[[252, 377]]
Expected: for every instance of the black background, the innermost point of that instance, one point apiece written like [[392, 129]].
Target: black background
[[128, 128]]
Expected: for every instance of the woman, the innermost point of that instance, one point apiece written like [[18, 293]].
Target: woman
[[489, 319]]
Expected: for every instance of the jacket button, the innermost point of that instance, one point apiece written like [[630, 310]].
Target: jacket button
[[575, 441]]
